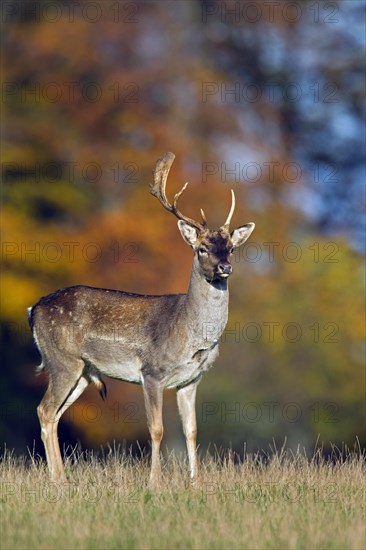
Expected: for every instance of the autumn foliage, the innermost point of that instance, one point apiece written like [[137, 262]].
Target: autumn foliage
[[88, 108]]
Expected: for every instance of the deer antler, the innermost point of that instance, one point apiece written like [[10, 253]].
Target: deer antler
[[157, 189], [227, 223]]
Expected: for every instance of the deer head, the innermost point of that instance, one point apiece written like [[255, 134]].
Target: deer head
[[213, 248]]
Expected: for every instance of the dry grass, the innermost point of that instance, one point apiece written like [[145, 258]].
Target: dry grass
[[279, 501]]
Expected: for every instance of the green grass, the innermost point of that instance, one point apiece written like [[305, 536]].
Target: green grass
[[282, 501]]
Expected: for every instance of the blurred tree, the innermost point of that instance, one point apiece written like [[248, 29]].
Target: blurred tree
[[255, 103]]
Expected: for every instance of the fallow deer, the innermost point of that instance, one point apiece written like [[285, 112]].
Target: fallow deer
[[159, 342]]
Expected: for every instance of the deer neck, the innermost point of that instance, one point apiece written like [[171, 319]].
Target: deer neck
[[206, 306]]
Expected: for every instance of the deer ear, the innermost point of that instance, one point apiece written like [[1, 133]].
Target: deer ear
[[188, 232], [242, 233]]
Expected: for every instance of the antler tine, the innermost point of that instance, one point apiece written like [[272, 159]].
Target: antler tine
[[227, 223], [177, 195], [179, 215], [157, 189], [203, 217]]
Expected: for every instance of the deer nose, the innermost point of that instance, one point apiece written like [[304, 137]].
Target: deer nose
[[224, 268]]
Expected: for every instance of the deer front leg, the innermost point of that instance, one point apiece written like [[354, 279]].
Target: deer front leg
[[153, 395], [186, 398]]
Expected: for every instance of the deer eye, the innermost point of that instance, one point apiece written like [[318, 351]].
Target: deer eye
[[202, 251]]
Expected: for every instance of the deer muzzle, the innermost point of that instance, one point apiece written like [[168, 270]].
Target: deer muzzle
[[224, 269]]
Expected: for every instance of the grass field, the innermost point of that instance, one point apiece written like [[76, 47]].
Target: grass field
[[283, 500]]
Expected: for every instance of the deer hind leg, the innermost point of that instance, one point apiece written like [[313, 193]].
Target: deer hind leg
[[186, 398], [153, 395], [65, 386]]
